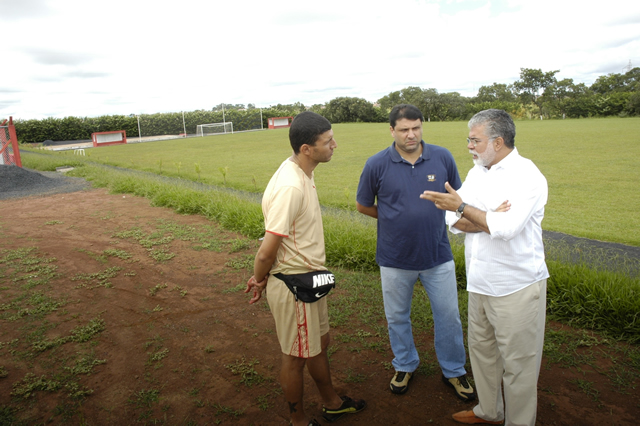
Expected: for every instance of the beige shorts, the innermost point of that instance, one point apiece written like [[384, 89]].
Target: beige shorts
[[299, 325]]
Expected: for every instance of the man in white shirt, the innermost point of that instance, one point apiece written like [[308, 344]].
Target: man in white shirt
[[500, 207]]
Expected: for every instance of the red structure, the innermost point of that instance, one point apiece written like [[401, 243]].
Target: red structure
[[9, 151], [109, 138], [280, 122]]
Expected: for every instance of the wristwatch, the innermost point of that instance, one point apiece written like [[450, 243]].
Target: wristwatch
[[460, 210]]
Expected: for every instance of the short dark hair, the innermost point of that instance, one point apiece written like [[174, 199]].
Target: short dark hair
[[498, 124], [408, 111], [306, 128]]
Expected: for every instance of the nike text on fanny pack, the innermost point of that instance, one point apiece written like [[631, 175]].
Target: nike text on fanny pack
[[324, 279], [309, 287]]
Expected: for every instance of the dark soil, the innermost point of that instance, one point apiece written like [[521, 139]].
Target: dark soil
[[210, 331]]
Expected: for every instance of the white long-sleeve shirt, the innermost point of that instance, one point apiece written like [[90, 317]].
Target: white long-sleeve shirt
[[511, 257]]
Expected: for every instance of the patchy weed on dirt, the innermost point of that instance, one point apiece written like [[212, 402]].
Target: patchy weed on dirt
[[94, 330]]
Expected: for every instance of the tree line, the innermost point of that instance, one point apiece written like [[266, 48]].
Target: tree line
[[536, 94]]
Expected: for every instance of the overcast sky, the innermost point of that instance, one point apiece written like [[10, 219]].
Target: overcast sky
[[90, 58]]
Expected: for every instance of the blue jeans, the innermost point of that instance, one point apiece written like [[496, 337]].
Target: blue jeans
[[440, 284]]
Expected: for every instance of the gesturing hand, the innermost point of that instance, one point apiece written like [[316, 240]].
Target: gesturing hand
[[444, 201]]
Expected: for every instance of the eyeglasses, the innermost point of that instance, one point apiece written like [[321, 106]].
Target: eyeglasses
[[476, 141]]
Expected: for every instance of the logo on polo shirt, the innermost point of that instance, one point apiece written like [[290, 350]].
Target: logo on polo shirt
[[431, 178]]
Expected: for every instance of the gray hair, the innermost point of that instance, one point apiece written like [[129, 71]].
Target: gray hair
[[498, 124]]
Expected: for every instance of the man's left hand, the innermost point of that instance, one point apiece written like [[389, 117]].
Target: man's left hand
[[444, 201]]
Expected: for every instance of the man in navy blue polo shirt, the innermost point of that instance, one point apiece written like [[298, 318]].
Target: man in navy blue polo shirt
[[413, 245]]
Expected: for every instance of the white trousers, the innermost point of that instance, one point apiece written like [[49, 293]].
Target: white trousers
[[506, 336]]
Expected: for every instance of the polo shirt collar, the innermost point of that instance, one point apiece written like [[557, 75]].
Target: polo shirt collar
[[397, 158]]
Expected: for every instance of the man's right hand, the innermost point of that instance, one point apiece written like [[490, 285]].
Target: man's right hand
[[257, 288], [369, 211]]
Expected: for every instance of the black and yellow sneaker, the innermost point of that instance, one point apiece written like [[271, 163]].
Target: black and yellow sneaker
[[313, 422], [349, 406], [461, 387], [400, 382]]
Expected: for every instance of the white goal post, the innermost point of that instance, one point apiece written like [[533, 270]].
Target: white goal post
[[214, 128]]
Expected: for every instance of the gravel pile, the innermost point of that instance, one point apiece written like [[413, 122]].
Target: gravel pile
[[18, 182]]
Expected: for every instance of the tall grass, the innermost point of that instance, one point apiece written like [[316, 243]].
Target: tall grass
[[600, 300], [227, 209], [350, 242], [585, 294], [589, 164]]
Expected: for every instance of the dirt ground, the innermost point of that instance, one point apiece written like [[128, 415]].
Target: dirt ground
[[181, 345]]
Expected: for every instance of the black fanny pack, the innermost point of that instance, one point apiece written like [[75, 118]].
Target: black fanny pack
[[309, 287]]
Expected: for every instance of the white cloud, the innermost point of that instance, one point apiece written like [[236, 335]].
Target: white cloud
[[13, 10], [72, 57]]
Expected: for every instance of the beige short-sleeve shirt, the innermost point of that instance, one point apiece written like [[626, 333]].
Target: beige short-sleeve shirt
[[291, 209]]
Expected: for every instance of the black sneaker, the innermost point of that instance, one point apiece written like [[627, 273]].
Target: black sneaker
[[313, 422], [400, 382], [349, 406], [461, 387]]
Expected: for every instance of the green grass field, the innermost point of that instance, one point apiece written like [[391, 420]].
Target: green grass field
[[580, 292], [64, 337], [588, 164]]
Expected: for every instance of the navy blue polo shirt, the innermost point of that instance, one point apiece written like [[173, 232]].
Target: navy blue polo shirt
[[412, 233]]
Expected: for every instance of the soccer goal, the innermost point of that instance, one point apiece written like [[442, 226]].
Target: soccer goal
[[214, 128]]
